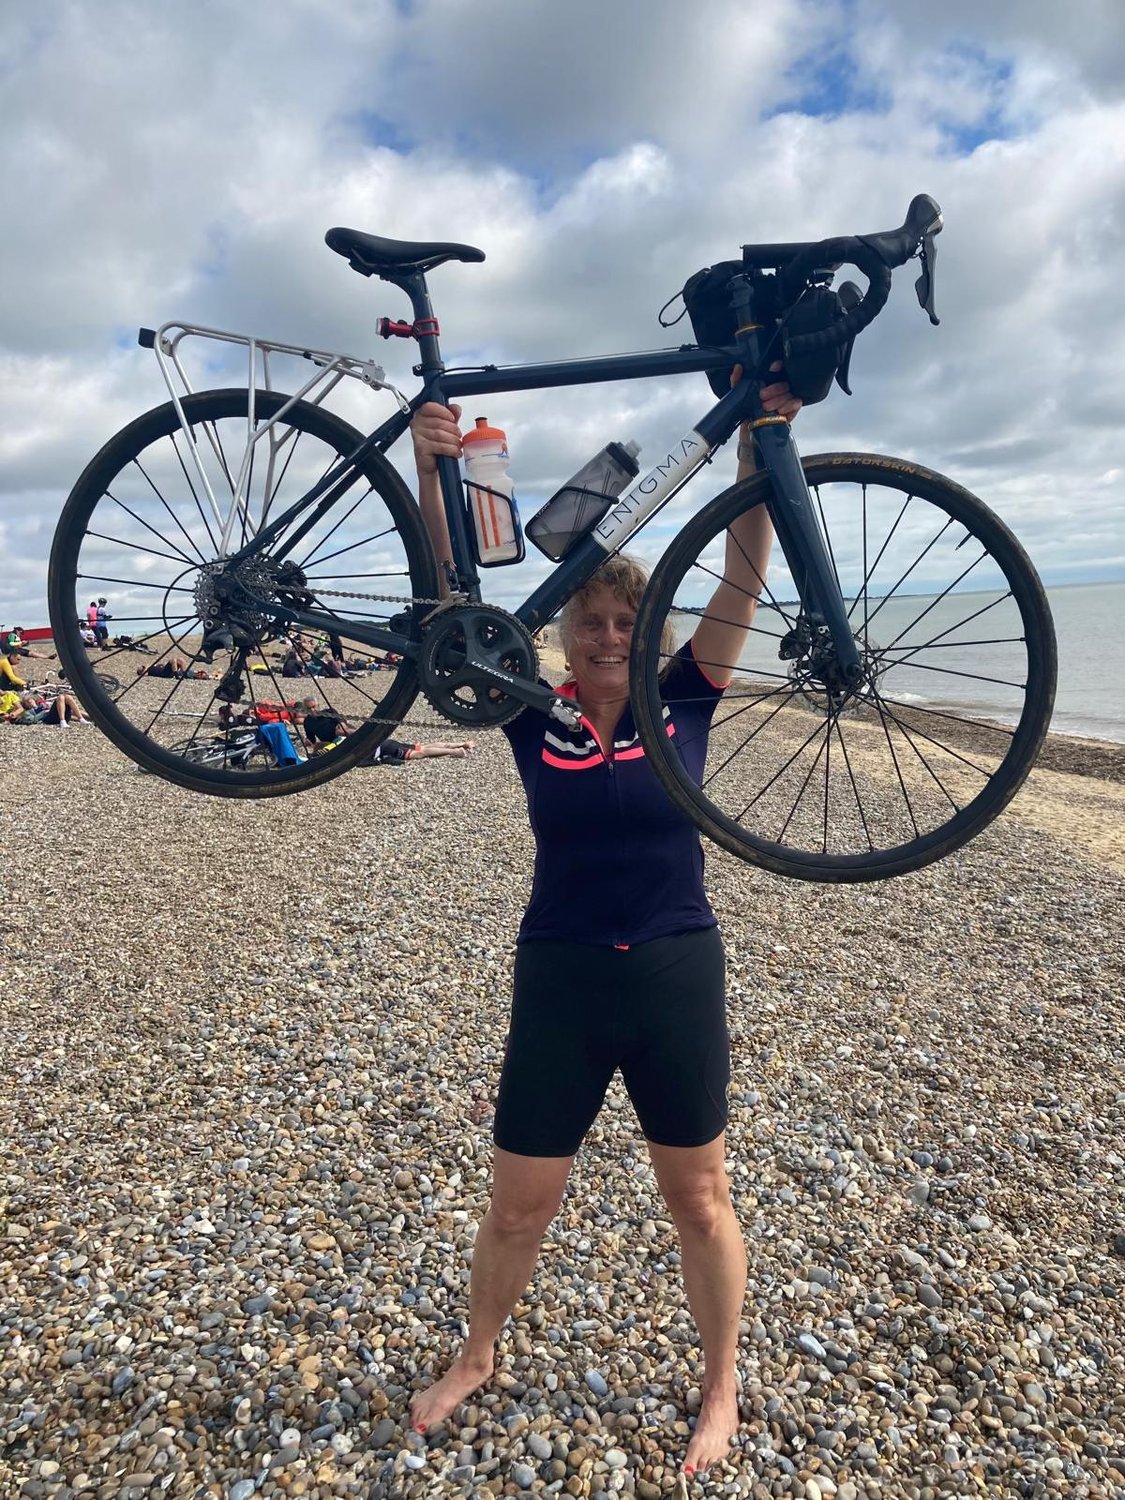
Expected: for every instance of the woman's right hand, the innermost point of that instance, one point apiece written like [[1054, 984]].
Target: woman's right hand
[[436, 434]]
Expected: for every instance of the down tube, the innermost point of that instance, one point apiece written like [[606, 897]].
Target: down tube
[[608, 537]]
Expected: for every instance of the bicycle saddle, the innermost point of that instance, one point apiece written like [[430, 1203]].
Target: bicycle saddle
[[372, 256]]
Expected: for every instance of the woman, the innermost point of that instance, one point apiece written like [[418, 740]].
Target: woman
[[619, 962]]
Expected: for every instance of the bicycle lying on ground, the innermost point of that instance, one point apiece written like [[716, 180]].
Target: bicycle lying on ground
[[898, 678]]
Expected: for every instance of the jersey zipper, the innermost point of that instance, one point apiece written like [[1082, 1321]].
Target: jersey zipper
[[615, 794]]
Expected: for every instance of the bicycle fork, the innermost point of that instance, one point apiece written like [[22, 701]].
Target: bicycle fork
[[803, 545]]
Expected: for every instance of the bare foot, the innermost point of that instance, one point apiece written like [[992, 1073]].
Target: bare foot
[[716, 1424], [430, 1407]]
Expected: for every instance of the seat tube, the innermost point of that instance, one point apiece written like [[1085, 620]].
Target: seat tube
[[431, 368], [794, 519]]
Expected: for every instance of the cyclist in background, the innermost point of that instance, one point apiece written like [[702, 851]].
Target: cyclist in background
[[619, 961]]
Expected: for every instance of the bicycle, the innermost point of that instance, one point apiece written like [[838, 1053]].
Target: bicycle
[[852, 744], [241, 750]]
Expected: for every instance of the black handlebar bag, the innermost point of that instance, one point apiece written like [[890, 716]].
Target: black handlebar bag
[[810, 363]]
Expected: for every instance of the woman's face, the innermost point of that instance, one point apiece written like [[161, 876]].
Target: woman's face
[[599, 647]]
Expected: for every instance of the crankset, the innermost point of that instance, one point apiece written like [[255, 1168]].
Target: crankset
[[463, 650]]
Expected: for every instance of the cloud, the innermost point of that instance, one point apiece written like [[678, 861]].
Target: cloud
[[166, 162]]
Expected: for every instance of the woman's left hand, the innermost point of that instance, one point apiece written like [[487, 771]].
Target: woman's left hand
[[777, 399]]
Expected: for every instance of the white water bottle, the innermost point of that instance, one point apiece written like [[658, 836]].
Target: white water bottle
[[495, 518]]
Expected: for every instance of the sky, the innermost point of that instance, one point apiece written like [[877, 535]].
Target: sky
[[183, 162]]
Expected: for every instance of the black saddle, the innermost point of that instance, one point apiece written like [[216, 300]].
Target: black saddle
[[372, 256]]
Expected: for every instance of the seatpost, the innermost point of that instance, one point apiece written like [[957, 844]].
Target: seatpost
[[431, 368]]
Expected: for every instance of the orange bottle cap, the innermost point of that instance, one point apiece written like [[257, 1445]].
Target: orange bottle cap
[[483, 433]]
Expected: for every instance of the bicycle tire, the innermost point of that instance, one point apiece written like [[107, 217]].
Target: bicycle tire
[[153, 438], [1015, 749]]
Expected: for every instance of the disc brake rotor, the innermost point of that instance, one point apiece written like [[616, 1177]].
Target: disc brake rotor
[[816, 684]]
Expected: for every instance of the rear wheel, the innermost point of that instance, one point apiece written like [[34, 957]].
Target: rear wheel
[[958, 652], [149, 523]]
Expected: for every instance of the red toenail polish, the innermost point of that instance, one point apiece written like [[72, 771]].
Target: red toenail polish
[[421, 1427]]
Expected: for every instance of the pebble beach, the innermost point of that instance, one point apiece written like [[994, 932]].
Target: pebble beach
[[248, 1058]]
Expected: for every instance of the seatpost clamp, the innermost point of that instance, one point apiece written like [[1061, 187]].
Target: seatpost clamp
[[421, 327]]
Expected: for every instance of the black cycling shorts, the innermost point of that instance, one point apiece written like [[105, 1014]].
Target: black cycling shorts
[[657, 1011]]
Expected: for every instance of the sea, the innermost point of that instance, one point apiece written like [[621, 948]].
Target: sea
[[1090, 697], [1090, 632]]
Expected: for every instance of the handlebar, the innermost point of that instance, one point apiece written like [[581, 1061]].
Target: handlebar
[[876, 255]]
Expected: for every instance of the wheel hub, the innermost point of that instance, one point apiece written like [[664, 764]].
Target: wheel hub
[[461, 649], [815, 672]]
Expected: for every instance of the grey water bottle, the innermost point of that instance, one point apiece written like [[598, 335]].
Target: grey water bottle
[[583, 500]]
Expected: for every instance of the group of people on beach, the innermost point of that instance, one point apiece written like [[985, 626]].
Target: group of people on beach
[[318, 727], [20, 703]]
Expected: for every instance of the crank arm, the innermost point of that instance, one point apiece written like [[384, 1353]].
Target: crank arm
[[534, 694]]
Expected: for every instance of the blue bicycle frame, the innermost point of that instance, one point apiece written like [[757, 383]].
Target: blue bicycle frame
[[789, 504]]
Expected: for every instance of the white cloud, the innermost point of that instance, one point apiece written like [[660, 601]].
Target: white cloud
[[163, 162]]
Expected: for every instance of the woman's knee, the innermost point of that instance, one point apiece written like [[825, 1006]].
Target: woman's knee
[[527, 1190]]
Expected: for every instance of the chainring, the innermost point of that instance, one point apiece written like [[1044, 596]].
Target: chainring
[[460, 692]]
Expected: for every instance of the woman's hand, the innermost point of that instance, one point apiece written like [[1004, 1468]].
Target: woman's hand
[[435, 434], [777, 399]]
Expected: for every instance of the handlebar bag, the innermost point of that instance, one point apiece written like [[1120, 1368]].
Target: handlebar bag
[[810, 371], [707, 299]]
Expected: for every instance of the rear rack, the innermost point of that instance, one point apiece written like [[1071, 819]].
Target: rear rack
[[331, 369]]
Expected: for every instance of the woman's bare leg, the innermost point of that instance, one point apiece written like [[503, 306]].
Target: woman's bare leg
[[526, 1194]]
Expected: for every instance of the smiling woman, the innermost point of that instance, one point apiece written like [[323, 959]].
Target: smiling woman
[[619, 961]]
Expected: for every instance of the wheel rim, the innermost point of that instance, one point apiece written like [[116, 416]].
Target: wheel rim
[[144, 528], [958, 678]]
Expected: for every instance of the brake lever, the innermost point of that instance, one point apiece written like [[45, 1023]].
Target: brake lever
[[851, 296], [924, 286]]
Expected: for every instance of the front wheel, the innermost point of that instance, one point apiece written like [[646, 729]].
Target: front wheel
[[958, 655]]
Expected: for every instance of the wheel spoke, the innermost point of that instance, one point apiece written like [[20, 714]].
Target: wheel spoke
[[159, 495], [947, 749]]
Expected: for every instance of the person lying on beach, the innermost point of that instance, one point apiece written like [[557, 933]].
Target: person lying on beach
[[618, 926], [323, 726], [177, 667], [11, 706], [63, 709]]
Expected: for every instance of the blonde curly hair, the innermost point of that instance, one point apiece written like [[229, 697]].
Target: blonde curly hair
[[627, 579]]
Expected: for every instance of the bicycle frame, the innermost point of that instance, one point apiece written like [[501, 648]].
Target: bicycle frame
[[790, 504]]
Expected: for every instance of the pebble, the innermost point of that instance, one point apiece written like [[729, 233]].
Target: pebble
[[248, 1148]]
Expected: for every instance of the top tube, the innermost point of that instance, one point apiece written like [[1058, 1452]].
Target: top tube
[[487, 378]]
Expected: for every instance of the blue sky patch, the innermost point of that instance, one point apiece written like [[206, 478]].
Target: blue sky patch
[[377, 130], [993, 75], [827, 85]]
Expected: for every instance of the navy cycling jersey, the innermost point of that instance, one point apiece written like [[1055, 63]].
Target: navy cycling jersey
[[616, 862]]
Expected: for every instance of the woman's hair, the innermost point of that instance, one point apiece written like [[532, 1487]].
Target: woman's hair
[[626, 578]]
